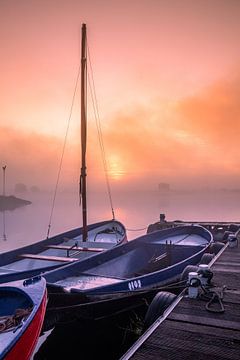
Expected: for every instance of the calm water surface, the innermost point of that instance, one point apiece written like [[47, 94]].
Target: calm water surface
[[136, 210]]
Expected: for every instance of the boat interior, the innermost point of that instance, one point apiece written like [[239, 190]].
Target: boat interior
[[143, 260], [12, 299], [63, 250], [138, 261], [15, 307]]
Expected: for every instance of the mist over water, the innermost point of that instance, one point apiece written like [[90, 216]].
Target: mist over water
[[135, 209]]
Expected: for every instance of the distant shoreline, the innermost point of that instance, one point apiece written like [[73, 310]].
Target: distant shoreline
[[11, 202]]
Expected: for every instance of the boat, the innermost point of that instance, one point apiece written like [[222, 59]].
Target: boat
[[55, 251], [22, 310], [72, 245], [105, 284]]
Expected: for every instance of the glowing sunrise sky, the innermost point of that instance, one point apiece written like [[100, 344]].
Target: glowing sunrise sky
[[167, 79]]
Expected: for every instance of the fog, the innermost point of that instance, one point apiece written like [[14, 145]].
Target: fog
[[191, 143]]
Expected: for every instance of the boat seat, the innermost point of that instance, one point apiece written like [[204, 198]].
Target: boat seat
[[48, 258], [65, 247]]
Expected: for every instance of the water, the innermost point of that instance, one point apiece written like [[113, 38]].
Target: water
[[135, 209]]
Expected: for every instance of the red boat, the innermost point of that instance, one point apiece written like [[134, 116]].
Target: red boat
[[22, 310]]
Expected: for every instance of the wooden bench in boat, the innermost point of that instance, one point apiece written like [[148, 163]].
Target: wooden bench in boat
[[48, 258], [90, 244], [76, 248]]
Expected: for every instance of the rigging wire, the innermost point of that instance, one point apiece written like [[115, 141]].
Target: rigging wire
[[99, 130], [137, 229], [63, 151]]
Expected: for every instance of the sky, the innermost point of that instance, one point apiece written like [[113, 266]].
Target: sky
[[167, 81]]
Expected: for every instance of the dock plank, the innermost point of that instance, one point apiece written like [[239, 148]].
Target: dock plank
[[192, 332], [178, 341]]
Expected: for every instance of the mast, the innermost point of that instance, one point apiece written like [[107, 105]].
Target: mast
[[83, 186]]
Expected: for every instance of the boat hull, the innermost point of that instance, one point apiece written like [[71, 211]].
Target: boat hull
[[56, 251], [104, 283], [20, 341]]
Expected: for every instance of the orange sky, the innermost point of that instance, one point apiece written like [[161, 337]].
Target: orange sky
[[167, 80]]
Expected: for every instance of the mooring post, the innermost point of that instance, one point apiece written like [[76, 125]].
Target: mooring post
[[4, 180]]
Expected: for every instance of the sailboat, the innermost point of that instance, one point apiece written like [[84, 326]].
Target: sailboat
[[75, 244]]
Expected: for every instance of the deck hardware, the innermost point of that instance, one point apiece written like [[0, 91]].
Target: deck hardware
[[204, 274], [193, 284], [233, 240]]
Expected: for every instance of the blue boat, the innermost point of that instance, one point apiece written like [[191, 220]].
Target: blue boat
[[149, 262], [58, 250], [22, 311]]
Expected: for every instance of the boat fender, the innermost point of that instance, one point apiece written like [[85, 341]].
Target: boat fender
[[187, 270], [204, 274], [225, 235], [206, 258], [159, 304], [193, 284], [215, 247], [232, 240]]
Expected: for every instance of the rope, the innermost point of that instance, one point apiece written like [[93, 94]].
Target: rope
[[137, 229], [10, 322], [213, 296], [63, 150], [98, 124]]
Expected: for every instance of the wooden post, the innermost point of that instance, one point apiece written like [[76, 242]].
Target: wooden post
[[4, 180], [169, 252], [83, 187]]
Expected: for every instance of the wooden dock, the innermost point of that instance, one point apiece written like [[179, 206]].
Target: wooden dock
[[219, 229], [189, 331]]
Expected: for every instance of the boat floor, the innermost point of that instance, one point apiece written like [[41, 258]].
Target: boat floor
[[87, 281]]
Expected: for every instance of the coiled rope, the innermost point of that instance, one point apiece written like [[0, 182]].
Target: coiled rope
[[209, 294], [213, 296], [10, 322]]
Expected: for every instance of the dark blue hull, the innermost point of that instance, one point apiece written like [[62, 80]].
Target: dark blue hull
[[150, 261], [58, 250]]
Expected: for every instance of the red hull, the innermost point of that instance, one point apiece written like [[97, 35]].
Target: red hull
[[25, 346]]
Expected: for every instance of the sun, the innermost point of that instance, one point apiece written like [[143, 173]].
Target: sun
[[115, 167]]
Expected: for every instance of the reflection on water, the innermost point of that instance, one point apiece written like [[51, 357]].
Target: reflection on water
[[136, 210], [4, 236]]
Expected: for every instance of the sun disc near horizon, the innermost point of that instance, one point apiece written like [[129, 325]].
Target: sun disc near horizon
[[115, 168]]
